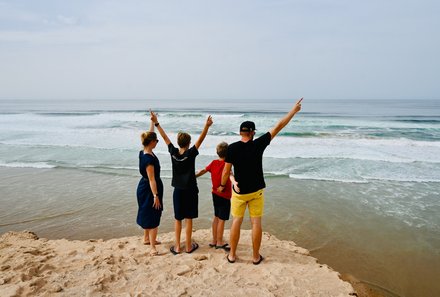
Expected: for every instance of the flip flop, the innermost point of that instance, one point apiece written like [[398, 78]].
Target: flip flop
[[148, 243], [211, 245], [194, 246], [173, 251], [259, 260], [229, 260], [225, 247]]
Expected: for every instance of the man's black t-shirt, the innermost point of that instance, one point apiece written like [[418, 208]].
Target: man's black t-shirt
[[247, 159], [184, 167]]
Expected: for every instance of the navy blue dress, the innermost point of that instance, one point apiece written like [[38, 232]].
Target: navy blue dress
[[148, 217]]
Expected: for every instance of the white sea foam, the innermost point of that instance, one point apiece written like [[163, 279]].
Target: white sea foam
[[318, 147], [309, 177], [39, 165], [362, 179]]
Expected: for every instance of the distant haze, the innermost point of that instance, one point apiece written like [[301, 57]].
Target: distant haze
[[196, 49]]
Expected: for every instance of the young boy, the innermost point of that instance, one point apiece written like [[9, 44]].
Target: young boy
[[221, 200], [185, 195]]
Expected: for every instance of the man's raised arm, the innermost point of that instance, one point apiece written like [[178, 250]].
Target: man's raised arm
[[286, 119]]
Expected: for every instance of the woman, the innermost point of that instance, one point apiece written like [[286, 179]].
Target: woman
[[149, 190]]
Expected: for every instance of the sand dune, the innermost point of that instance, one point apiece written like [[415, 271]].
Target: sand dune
[[30, 266]]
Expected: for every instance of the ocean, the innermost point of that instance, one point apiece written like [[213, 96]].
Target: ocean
[[357, 182]]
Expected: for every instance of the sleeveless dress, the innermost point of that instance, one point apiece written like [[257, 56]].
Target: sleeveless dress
[[147, 216]]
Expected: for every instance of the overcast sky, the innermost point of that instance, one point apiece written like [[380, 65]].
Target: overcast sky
[[244, 49]]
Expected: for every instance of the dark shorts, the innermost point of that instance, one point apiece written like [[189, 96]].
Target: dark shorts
[[186, 203], [222, 207]]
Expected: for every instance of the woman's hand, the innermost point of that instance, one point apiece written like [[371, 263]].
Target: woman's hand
[[156, 203]]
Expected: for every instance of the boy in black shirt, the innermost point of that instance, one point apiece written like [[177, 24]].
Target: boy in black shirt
[[185, 195]]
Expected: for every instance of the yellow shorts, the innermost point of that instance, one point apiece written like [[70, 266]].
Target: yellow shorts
[[254, 200]]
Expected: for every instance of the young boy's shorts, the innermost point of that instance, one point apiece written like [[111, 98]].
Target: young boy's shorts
[[254, 200], [186, 203], [222, 207]]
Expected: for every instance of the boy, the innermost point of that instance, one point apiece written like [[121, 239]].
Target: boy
[[185, 195], [221, 200]]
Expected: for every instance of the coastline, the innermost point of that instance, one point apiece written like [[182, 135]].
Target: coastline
[[29, 266], [82, 204]]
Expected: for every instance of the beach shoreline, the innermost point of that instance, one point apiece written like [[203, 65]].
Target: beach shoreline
[[59, 203], [36, 266]]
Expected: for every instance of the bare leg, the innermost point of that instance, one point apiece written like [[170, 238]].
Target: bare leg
[[220, 230], [146, 238], [215, 221], [188, 230], [177, 231], [257, 233], [234, 237], [153, 235]]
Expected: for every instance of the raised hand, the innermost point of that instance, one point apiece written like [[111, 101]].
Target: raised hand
[[153, 116], [209, 121], [298, 105]]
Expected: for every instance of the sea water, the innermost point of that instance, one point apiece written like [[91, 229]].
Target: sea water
[[355, 181]]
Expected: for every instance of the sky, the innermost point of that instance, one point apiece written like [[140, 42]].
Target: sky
[[213, 50]]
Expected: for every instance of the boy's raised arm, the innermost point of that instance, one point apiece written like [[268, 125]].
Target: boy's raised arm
[[286, 119], [159, 127], [204, 132]]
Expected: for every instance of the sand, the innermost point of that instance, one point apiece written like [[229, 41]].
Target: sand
[[32, 266]]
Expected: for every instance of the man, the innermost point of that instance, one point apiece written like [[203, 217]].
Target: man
[[246, 156]]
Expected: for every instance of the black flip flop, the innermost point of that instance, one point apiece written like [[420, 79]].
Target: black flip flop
[[259, 260], [225, 247], [229, 260], [173, 251], [194, 246]]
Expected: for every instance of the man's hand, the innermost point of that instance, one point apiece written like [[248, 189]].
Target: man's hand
[[298, 105]]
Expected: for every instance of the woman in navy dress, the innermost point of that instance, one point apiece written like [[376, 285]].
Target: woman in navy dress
[[149, 190]]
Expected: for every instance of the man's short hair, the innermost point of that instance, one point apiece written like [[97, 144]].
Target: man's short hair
[[183, 139], [222, 149]]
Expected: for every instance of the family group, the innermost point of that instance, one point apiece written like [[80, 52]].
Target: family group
[[237, 183]]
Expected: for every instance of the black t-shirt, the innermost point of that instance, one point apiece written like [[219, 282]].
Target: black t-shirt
[[184, 167], [247, 159]]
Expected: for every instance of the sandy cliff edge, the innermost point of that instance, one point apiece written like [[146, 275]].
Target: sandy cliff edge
[[123, 266]]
